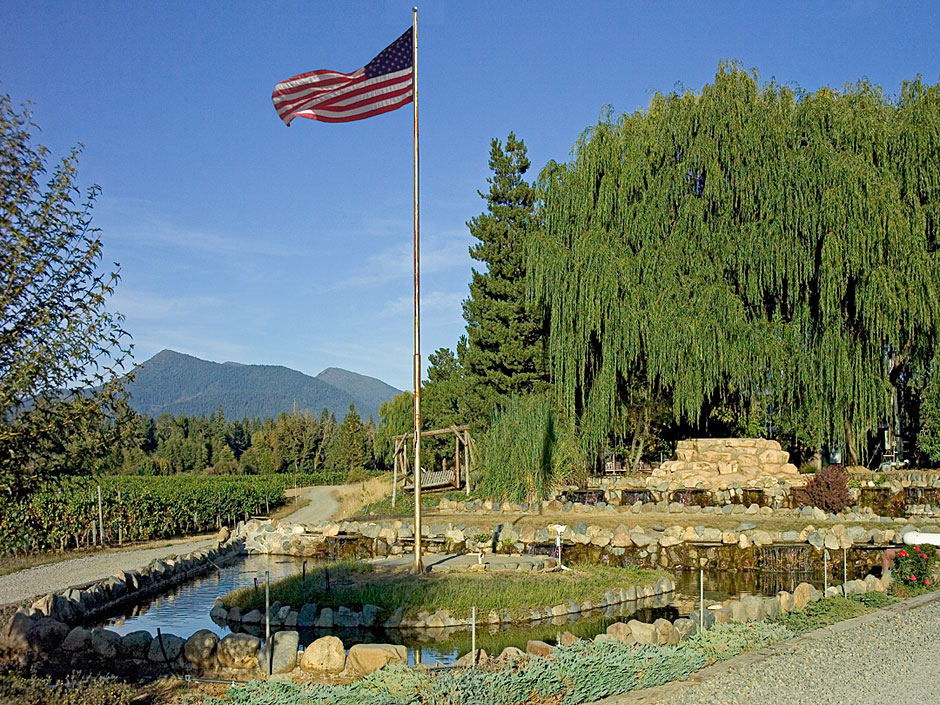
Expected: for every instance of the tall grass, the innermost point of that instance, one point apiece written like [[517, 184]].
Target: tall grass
[[529, 447]]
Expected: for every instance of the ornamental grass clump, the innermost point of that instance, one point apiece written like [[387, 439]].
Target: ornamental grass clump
[[914, 569]]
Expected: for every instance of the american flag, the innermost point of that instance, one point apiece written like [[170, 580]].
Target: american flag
[[384, 84]]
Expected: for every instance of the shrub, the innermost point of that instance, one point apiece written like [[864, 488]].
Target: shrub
[[828, 490], [33, 690], [914, 568]]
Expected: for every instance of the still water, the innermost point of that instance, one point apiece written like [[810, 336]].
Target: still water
[[185, 610]]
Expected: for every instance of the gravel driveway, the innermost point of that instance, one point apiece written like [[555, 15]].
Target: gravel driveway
[[34, 582], [885, 658]]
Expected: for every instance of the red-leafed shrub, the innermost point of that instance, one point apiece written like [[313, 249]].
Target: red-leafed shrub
[[828, 490]]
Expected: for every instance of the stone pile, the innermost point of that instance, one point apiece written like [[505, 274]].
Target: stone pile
[[716, 463]]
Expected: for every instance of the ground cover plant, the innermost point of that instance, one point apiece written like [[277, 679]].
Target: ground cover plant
[[583, 672], [354, 584], [59, 514], [19, 689]]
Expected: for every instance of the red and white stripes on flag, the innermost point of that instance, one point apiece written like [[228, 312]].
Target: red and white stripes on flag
[[384, 84]]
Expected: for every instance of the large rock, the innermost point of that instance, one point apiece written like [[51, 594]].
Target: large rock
[[58, 608], [368, 658], [665, 632], [804, 594], [325, 655], [281, 655], [199, 649], [238, 651], [105, 643], [307, 615], [47, 634], [136, 645], [538, 648], [642, 632], [512, 655], [621, 632], [166, 647], [325, 620], [77, 640]]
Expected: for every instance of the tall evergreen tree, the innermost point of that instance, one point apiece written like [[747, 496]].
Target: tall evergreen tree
[[505, 337]]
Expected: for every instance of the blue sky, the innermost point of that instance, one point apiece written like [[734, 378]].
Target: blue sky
[[240, 239]]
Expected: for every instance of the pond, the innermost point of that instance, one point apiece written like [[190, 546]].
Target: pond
[[185, 610]]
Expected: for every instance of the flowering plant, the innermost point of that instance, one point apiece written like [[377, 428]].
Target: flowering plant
[[914, 567]]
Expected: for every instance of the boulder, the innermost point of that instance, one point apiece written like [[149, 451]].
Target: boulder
[[685, 628], [785, 600], [642, 632], [325, 620], [58, 608], [105, 643], [534, 647], [253, 617], [621, 632], [199, 649], [238, 651], [368, 658], [804, 594], [136, 645], [325, 655], [512, 655], [280, 655], [471, 658], [307, 615], [77, 640], [166, 647], [47, 634], [704, 619], [665, 632], [566, 639]]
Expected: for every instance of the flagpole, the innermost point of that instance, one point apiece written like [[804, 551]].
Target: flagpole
[[417, 358]]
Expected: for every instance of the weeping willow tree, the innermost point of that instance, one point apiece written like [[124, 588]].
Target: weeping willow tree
[[750, 244]]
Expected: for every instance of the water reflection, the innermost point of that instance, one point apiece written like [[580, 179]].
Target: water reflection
[[185, 610]]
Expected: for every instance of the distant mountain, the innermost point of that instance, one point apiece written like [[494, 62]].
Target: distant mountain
[[174, 383]]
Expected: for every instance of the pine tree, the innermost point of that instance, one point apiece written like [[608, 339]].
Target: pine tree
[[505, 337]]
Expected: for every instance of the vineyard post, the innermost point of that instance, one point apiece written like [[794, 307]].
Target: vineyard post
[[100, 519], [94, 532], [120, 522]]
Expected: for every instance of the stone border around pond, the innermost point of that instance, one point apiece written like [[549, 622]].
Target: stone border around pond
[[345, 618]]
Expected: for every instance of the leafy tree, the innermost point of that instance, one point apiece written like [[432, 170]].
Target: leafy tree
[[751, 244], [395, 418], [929, 438], [505, 336], [61, 350]]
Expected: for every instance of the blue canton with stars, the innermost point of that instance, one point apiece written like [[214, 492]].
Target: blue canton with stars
[[395, 57]]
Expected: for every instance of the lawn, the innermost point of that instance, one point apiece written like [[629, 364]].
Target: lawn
[[354, 584]]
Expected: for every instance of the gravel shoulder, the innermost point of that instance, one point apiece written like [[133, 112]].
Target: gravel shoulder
[[40, 580], [882, 658]]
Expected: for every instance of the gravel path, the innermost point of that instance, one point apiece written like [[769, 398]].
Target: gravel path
[[880, 659], [322, 505], [43, 579]]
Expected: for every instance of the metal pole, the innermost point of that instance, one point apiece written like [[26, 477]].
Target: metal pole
[[466, 459], [845, 570], [825, 571], [267, 620], [100, 519], [473, 634], [701, 599], [417, 357], [120, 522]]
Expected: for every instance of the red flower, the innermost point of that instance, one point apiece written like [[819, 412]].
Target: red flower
[[902, 553], [913, 577], [926, 581]]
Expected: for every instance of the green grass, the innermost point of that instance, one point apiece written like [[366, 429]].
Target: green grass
[[355, 584], [405, 503]]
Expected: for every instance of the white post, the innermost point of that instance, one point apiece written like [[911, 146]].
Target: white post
[[701, 599], [100, 519], [473, 634]]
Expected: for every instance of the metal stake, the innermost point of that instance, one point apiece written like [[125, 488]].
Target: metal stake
[[701, 599], [825, 571], [845, 570], [267, 620], [473, 634], [100, 519]]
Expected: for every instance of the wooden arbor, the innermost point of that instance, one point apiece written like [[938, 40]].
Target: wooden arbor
[[437, 479]]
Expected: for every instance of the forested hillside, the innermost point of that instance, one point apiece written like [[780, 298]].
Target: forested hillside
[[174, 383]]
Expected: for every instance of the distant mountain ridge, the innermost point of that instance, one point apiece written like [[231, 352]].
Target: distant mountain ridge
[[174, 383]]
